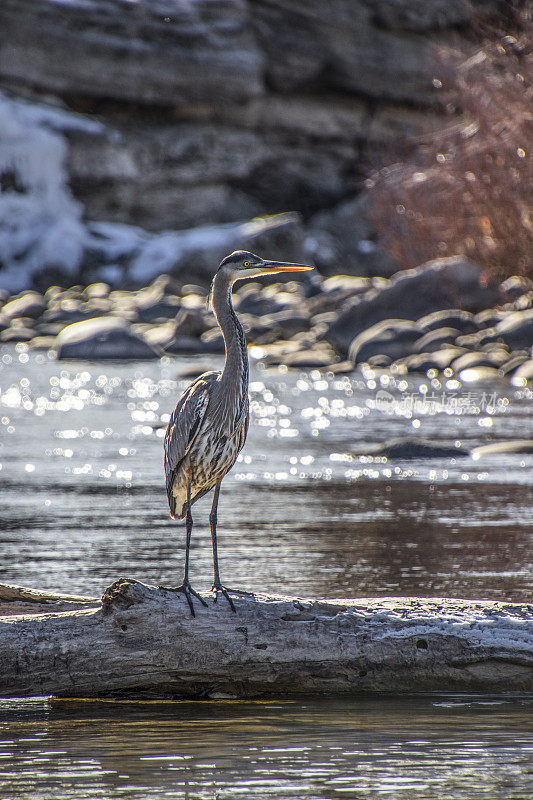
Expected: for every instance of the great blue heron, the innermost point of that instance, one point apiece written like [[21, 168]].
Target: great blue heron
[[208, 426]]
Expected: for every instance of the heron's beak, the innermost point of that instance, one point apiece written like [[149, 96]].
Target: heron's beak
[[271, 267]]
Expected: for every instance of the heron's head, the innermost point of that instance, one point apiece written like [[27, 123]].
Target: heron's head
[[242, 265]]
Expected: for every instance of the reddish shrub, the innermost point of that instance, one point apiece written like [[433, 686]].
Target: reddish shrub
[[468, 189]]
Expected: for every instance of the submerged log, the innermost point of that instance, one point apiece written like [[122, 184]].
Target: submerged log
[[142, 641]]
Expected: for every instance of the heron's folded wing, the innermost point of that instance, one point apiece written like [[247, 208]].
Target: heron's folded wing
[[184, 425]]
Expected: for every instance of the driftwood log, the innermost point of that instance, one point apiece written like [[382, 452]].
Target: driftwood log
[[141, 641]]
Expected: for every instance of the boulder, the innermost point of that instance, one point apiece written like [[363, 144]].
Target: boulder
[[480, 359], [17, 333], [516, 329], [28, 304], [153, 305], [103, 338], [462, 321], [514, 287], [489, 317], [393, 338], [192, 322], [500, 448], [407, 447], [310, 358], [411, 294], [437, 360], [524, 374], [435, 339], [479, 374], [288, 322], [512, 364]]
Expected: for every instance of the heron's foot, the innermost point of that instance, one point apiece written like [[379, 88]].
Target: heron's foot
[[189, 593], [216, 588]]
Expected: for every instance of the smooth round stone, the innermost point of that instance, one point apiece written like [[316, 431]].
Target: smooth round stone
[[410, 447], [192, 322], [17, 334], [42, 342], [524, 374], [435, 339], [422, 362], [391, 337], [103, 338], [516, 329], [489, 317], [99, 290], [512, 364], [516, 286], [475, 374], [496, 448], [29, 304], [462, 321], [473, 359], [310, 359]]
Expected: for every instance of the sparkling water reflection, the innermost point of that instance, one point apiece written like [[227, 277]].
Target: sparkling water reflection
[[82, 501], [395, 748], [82, 495]]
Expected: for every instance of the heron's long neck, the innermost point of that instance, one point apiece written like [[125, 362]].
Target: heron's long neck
[[234, 380]]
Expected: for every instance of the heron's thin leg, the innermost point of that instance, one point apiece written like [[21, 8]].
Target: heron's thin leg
[[186, 587], [213, 516], [217, 583], [188, 524]]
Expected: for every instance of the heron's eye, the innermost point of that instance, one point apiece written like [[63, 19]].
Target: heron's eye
[[246, 264]]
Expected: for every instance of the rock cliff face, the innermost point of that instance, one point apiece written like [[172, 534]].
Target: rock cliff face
[[218, 110]]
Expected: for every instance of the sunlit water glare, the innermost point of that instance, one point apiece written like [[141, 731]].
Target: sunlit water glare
[[82, 502]]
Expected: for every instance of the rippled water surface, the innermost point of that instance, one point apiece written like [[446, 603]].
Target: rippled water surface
[[417, 747], [82, 501]]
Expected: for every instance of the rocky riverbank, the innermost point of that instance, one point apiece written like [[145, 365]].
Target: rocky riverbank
[[150, 141], [147, 134], [405, 324]]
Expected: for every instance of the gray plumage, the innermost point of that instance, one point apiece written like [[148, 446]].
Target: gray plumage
[[208, 427]]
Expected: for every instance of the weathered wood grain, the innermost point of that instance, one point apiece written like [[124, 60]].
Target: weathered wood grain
[[142, 641]]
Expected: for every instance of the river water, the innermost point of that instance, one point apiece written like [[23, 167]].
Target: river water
[[82, 502]]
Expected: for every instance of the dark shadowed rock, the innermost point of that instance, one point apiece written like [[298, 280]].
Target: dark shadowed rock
[[449, 318], [439, 360], [102, 339], [516, 329], [192, 322], [353, 47], [436, 339], [512, 364], [514, 287], [288, 323], [153, 305], [17, 333], [408, 447], [414, 293], [392, 338], [29, 304], [489, 317], [169, 52]]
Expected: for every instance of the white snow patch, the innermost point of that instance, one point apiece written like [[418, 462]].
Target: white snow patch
[[40, 222]]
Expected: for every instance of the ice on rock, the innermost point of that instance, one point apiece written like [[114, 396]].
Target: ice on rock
[[40, 222], [42, 225]]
